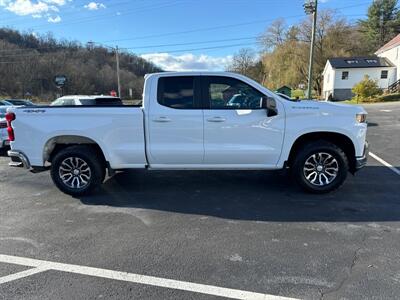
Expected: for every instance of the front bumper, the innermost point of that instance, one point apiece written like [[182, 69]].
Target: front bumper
[[21, 159], [361, 162]]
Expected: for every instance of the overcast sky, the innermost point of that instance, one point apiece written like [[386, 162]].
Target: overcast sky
[[174, 34]]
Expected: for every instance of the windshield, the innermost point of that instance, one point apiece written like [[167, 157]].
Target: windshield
[[5, 103], [20, 102]]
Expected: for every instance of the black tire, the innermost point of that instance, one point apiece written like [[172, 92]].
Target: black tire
[[92, 170], [317, 151]]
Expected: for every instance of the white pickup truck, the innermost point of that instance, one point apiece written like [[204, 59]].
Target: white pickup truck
[[196, 121]]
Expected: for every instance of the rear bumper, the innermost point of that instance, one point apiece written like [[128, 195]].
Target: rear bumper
[[22, 159], [361, 162]]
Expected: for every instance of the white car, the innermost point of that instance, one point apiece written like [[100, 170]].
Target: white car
[[4, 103], [81, 100], [3, 133], [187, 122]]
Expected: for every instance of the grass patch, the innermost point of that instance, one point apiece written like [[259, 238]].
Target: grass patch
[[378, 99], [352, 101]]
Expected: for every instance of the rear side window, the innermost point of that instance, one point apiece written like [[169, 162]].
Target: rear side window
[[101, 101], [176, 92], [87, 101], [108, 101]]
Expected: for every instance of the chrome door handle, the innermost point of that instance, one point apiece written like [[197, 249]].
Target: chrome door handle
[[162, 120], [216, 120]]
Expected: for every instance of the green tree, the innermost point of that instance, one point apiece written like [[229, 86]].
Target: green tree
[[287, 61], [381, 25], [366, 89]]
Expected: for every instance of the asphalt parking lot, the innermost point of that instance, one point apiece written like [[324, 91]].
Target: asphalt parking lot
[[207, 235]]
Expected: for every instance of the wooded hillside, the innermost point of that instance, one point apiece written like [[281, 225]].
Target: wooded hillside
[[28, 64]]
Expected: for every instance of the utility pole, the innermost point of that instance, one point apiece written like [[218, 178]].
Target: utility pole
[[311, 8], [118, 74], [91, 45]]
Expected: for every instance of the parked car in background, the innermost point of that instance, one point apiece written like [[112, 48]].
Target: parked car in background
[[3, 111], [4, 141], [187, 122], [80, 100], [20, 102], [5, 103]]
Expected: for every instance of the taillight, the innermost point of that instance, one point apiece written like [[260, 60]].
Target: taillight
[[9, 118]]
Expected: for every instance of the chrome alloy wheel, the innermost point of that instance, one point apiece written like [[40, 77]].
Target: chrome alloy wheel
[[321, 169], [75, 172]]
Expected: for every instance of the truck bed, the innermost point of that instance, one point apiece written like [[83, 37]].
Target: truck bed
[[118, 130]]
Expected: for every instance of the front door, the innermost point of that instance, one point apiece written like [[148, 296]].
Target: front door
[[237, 130], [175, 123]]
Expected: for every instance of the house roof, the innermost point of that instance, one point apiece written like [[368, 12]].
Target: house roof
[[284, 87], [389, 45], [359, 62]]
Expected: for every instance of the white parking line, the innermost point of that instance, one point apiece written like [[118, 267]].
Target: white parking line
[[22, 274], [42, 265], [385, 163]]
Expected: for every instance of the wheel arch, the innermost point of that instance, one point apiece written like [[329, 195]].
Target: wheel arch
[[340, 140], [57, 143]]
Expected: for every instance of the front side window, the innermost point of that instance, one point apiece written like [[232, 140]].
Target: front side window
[[176, 92], [345, 75], [384, 74], [69, 102], [63, 102], [230, 93], [87, 101]]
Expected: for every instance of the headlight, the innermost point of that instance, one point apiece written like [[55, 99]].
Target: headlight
[[361, 118]]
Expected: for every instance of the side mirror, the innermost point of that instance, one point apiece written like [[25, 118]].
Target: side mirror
[[269, 104]]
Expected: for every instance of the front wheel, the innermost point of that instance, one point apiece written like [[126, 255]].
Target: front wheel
[[320, 167], [76, 171]]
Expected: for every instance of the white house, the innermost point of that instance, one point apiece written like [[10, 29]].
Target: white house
[[341, 74], [390, 51]]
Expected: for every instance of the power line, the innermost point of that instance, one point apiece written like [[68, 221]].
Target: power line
[[141, 47], [205, 48], [173, 51], [198, 30], [216, 27], [174, 33], [156, 6], [191, 43], [123, 48]]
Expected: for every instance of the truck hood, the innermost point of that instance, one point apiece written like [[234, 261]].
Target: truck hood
[[327, 107]]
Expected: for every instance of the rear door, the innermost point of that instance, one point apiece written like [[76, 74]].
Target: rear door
[[237, 130], [175, 123]]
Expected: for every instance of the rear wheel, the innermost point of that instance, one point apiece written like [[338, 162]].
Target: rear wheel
[[320, 167], [76, 171]]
